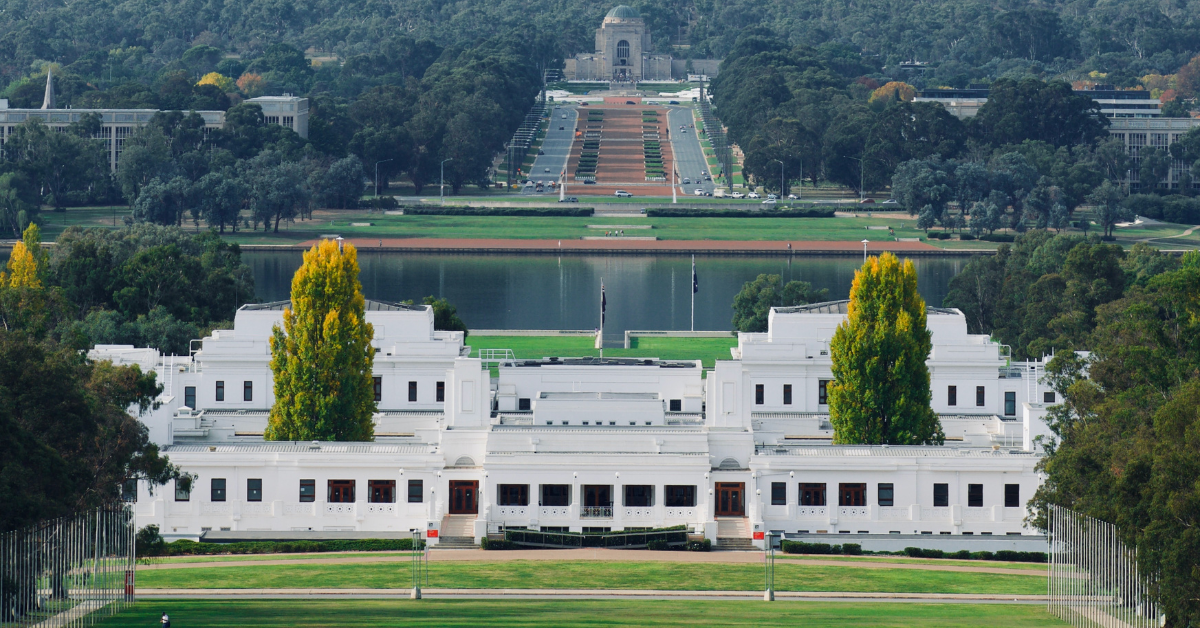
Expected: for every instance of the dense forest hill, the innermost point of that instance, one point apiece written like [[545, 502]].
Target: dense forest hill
[[964, 40]]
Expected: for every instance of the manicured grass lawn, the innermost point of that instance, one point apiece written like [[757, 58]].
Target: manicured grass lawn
[[537, 613], [533, 347], [522, 574]]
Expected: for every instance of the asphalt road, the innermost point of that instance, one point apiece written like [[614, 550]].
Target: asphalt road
[[557, 147], [689, 156]]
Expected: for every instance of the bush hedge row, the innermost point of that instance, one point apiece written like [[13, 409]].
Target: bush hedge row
[[435, 210], [185, 547], [696, 212], [854, 549], [800, 547]]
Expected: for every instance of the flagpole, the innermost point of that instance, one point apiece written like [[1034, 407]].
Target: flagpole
[[600, 335], [693, 292]]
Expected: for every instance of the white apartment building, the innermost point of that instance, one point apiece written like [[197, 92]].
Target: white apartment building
[[286, 110], [589, 444]]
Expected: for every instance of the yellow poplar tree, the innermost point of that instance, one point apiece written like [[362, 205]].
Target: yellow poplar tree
[[322, 357], [222, 82], [25, 261], [880, 393]]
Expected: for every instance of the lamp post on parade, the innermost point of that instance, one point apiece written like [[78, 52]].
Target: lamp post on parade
[[442, 185]]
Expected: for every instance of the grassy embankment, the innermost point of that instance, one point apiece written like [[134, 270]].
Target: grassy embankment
[[553, 613], [521, 574]]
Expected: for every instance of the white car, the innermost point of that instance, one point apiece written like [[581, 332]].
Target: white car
[[547, 170], [770, 201], [891, 201], [792, 196], [737, 195], [772, 197], [698, 192], [622, 194], [753, 195]]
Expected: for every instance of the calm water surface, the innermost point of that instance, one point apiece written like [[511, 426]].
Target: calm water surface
[[546, 292]]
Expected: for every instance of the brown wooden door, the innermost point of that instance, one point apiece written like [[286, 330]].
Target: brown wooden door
[[464, 497], [731, 499]]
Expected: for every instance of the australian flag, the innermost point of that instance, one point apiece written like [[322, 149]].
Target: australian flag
[[695, 278]]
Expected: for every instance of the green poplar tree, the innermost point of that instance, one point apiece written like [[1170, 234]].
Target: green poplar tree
[[322, 357], [880, 393]]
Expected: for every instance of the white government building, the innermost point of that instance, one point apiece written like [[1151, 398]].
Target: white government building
[[587, 444]]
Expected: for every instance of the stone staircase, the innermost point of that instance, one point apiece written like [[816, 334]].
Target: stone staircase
[[733, 534], [457, 532]]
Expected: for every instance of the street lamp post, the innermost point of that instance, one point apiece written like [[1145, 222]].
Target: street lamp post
[[442, 185], [780, 178], [864, 243], [377, 174]]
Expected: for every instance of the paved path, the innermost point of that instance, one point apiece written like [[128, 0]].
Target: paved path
[[566, 245], [579, 594], [591, 555]]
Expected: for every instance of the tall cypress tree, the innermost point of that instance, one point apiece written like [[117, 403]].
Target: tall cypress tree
[[881, 389], [322, 357]]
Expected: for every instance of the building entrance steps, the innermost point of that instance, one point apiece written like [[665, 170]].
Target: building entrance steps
[[457, 532], [733, 528]]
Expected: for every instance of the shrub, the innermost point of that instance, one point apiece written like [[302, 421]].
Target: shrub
[[965, 236], [1020, 557], [997, 237], [800, 547], [785, 212], [496, 544], [186, 548], [149, 542], [962, 554], [852, 549], [658, 545], [699, 546], [381, 202]]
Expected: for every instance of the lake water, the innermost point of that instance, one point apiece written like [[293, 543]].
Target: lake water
[[546, 292]]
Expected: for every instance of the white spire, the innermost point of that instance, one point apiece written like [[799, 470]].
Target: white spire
[[48, 100]]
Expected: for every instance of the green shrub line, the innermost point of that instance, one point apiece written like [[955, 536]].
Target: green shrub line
[[854, 549], [184, 547], [436, 210], [696, 212]]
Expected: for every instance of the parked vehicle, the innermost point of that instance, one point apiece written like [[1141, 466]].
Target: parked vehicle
[[622, 194]]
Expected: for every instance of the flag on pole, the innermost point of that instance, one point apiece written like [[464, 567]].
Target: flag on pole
[[695, 278], [603, 307]]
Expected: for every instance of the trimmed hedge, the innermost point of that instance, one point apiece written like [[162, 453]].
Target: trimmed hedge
[[997, 237], [497, 544], [185, 547], [435, 210], [694, 212], [800, 547], [1011, 556]]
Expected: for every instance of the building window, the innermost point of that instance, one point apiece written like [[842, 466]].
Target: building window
[[220, 391], [778, 494], [556, 495], [416, 491], [887, 495], [189, 396], [183, 490], [758, 394], [952, 395], [812, 494], [377, 382], [622, 49], [979, 396], [341, 491], [1012, 495], [787, 394], [129, 490], [514, 495], [523, 404], [381, 491], [254, 490], [441, 391], [247, 391], [823, 392], [412, 391], [974, 496], [639, 495], [1048, 397], [852, 494], [941, 495], [1010, 403], [676, 405], [680, 496], [308, 490], [217, 492]]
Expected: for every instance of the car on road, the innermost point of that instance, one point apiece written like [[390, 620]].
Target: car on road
[[753, 195], [772, 197], [867, 201], [737, 195], [630, 102], [770, 201], [708, 177], [568, 199], [622, 194], [891, 201], [700, 192], [673, 102], [547, 170], [562, 128], [564, 116], [686, 180], [792, 196], [541, 152], [589, 182], [681, 127]]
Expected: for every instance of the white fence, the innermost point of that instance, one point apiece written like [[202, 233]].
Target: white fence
[[1093, 577], [67, 572]]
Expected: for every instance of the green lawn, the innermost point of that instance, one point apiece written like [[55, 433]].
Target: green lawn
[[552, 613], [521, 574], [533, 347]]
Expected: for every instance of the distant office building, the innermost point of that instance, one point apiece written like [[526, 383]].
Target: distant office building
[[116, 125], [961, 103], [1114, 103], [1139, 134], [286, 110]]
